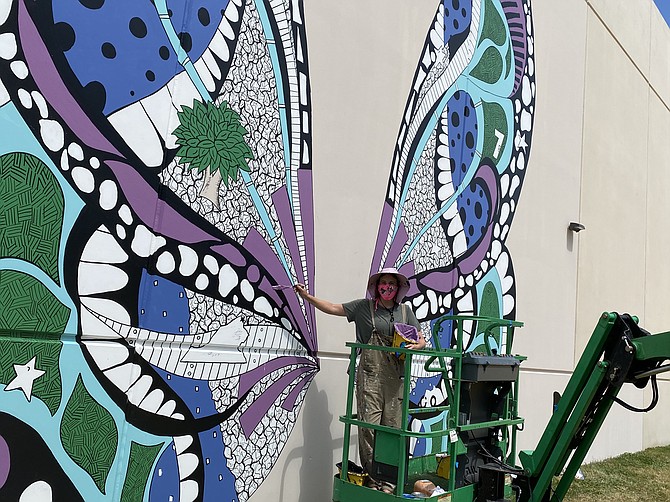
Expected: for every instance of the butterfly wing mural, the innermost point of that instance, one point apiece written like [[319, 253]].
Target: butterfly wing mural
[[457, 172], [174, 138]]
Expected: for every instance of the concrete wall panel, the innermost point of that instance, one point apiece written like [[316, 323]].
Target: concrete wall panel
[[544, 251], [655, 422], [614, 184], [628, 23], [657, 276]]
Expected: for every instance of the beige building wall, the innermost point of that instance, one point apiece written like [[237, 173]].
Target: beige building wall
[[599, 156], [624, 183]]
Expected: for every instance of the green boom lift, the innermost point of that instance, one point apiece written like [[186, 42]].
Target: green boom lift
[[473, 454]]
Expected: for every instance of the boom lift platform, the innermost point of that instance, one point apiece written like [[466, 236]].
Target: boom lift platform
[[473, 457]]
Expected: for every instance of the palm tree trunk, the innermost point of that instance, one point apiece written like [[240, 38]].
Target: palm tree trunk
[[210, 187]]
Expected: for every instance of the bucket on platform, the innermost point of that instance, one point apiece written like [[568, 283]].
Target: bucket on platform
[[443, 465], [356, 475]]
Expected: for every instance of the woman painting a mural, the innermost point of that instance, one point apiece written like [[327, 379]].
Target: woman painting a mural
[[165, 156], [379, 381]]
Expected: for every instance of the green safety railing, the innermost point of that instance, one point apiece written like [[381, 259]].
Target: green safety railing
[[438, 360]]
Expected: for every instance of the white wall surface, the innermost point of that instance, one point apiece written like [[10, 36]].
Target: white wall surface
[[599, 156]]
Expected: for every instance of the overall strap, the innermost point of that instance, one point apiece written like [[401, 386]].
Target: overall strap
[[404, 313], [372, 313]]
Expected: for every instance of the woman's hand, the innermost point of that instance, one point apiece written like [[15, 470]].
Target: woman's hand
[[419, 345], [300, 290]]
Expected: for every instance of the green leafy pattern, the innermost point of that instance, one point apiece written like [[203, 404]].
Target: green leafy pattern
[[89, 434], [493, 27], [490, 66], [28, 305], [32, 321], [488, 307], [495, 120], [48, 387], [211, 137], [32, 212], [139, 469]]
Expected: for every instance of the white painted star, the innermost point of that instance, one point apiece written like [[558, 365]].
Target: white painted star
[[520, 141], [26, 374]]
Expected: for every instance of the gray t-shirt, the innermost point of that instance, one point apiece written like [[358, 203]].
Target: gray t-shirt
[[358, 312]]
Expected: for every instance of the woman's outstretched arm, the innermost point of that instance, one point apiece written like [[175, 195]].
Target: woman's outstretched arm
[[323, 305]]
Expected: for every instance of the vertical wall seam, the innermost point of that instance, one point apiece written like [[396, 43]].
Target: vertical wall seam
[[576, 353], [648, 170]]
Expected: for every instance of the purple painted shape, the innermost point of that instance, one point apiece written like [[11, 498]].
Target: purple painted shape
[[398, 243], [251, 378], [254, 242], [272, 291], [5, 461], [407, 269], [283, 208], [253, 415], [470, 263], [292, 398], [146, 204], [384, 226], [516, 20], [261, 250], [253, 274], [52, 87], [307, 212], [232, 254], [437, 280]]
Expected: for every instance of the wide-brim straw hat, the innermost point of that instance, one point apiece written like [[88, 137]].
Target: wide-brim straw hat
[[403, 283]]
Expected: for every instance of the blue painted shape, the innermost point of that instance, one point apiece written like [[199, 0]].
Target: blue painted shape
[[164, 307], [457, 19], [474, 207], [462, 134], [120, 52], [219, 481], [164, 484], [664, 8]]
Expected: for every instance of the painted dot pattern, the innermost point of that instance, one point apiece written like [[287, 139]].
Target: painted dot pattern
[[462, 133], [457, 17], [119, 50], [474, 208]]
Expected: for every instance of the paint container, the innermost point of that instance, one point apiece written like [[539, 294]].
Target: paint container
[[443, 465], [355, 474]]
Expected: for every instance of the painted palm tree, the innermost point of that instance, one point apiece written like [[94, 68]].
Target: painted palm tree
[[211, 140]]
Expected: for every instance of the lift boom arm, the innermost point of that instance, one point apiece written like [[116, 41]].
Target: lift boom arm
[[619, 351]]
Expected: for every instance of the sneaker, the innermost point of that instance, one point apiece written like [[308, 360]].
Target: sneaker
[[387, 487]]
